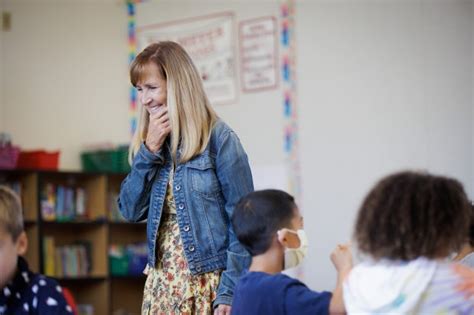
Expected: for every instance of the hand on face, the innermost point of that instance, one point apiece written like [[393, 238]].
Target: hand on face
[[152, 92], [158, 128], [341, 257]]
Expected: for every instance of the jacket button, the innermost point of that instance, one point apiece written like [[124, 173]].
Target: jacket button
[[178, 187], [181, 206], [191, 248], [186, 228], [198, 269]]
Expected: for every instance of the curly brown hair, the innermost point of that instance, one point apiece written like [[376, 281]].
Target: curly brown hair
[[410, 214]]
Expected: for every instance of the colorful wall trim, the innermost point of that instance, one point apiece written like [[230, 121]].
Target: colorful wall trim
[[289, 88], [132, 52]]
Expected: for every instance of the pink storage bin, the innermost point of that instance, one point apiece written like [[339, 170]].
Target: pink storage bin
[[9, 156]]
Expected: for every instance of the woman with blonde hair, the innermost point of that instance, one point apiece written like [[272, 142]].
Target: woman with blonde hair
[[189, 169]]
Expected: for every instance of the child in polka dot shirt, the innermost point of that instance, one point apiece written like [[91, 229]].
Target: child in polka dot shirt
[[22, 291]]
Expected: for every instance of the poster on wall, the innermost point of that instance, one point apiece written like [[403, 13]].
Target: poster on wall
[[258, 54], [209, 40]]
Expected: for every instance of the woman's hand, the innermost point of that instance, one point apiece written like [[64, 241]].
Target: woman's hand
[[158, 129], [222, 309]]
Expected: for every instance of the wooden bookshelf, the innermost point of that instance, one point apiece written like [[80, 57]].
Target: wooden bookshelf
[[107, 293], [126, 291]]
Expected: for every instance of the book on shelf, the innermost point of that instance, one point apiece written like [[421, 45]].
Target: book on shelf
[[81, 202], [73, 260], [63, 203], [48, 202], [48, 253]]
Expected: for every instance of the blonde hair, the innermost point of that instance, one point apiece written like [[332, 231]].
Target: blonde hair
[[11, 216], [190, 113]]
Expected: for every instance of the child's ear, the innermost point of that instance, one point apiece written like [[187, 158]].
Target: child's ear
[[288, 238], [21, 244], [283, 237]]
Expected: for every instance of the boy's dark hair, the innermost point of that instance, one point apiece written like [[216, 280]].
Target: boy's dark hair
[[409, 215], [259, 215], [11, 216]]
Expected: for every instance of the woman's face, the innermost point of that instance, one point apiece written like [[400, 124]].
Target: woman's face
[[152, 89]]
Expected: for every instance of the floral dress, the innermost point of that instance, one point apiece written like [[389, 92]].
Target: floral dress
[[170, 288]]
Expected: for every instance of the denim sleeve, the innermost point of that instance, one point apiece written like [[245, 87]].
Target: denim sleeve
[[134, 197], [235, 177]]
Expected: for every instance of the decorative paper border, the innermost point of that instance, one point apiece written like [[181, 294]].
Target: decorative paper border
[[132, 52], [289, 84]]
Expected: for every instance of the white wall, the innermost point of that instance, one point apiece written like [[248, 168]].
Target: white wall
[[384, 85], [67, 79]]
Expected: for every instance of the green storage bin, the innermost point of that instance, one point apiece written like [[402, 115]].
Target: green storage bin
[[109, 161], [118, 260]]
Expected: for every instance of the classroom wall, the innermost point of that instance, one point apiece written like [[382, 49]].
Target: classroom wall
[[382, 86], [67, 83]]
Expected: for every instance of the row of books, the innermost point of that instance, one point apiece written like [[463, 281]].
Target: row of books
[[67, 260], [63, 203]]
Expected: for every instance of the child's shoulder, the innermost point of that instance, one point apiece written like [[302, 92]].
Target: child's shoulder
[[263, 279], [42, 283], [49, 294], [33, 293]]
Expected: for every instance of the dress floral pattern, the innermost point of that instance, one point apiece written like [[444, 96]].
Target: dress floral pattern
[[170, 288]]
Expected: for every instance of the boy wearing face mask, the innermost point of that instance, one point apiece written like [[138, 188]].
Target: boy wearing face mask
[[269, 225]]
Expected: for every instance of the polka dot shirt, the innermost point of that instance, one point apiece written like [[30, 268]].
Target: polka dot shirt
[[30, 293]]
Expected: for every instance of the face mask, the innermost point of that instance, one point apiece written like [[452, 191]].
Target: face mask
[[294, 256]]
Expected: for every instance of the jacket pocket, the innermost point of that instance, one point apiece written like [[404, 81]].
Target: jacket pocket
[[202, 174]]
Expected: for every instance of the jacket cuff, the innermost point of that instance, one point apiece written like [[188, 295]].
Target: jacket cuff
[[150, 156], [226, 300]]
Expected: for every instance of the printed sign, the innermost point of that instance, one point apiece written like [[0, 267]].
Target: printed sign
[[258, 54]]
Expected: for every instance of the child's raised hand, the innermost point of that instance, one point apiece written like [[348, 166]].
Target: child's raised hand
[[158, 129], [341, 257]]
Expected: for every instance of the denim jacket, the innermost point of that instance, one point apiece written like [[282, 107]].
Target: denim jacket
[[206, 189]]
